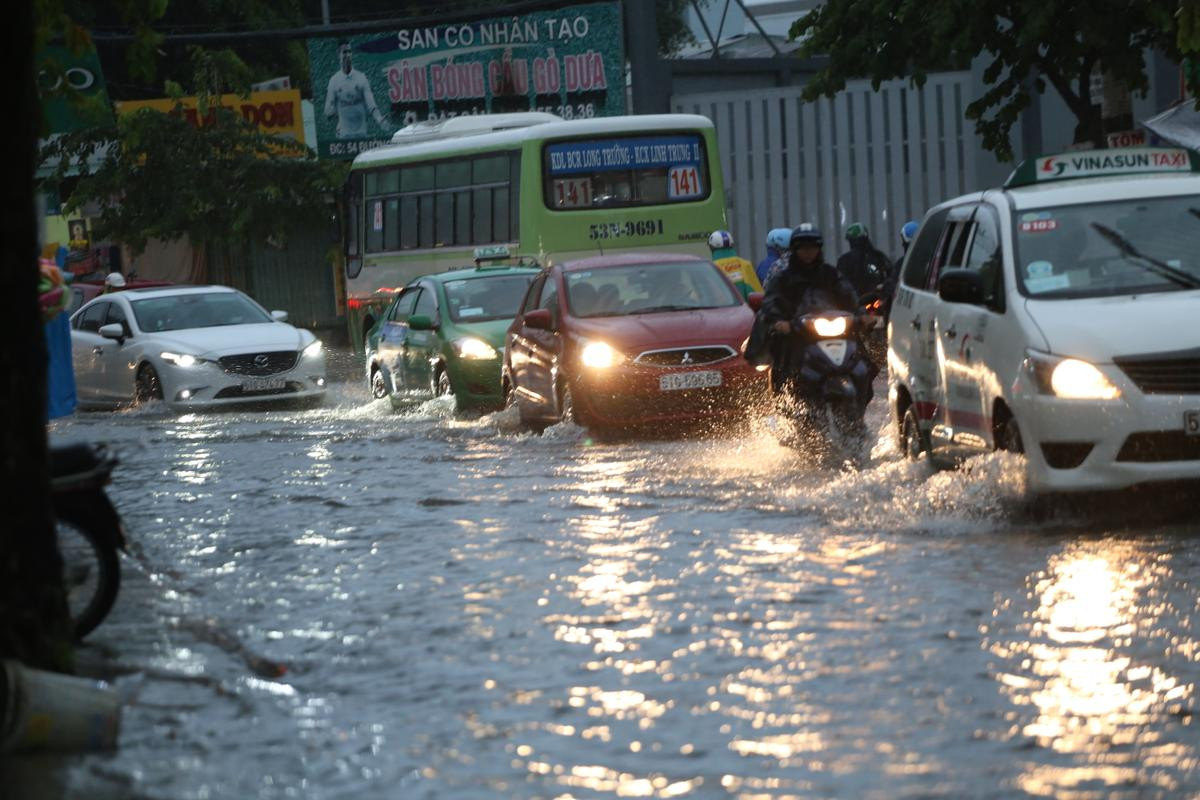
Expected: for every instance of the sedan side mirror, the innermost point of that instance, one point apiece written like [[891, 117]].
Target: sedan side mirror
[[420, 322], [755, 300], [113, 330], [961, 286], [279, 316], [540, 319]]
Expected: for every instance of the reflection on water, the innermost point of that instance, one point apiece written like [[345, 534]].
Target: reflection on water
[[469, 610], [1086, 678]]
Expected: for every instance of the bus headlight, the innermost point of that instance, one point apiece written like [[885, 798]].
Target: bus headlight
[[599, 355], [472, 348]]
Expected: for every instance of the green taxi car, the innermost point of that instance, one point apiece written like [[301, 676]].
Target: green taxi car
[[443, 334]]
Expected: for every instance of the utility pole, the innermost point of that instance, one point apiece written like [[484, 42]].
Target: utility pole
[[649, 75]]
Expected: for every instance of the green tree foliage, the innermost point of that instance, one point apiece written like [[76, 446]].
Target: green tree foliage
[[1188, 21], [1030, 44], [221, 184]]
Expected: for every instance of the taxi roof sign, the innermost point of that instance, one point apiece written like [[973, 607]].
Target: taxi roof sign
[[1104, 163], [492, 252]]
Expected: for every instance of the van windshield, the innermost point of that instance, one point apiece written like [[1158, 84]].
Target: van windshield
[[1107, 249]]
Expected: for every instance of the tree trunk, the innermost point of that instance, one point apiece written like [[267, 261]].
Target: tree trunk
[[33, 614]]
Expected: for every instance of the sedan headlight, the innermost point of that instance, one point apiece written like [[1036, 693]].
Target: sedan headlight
[[472, 348], [1070, 378], [313, 348], [599, 355], [180, 359]]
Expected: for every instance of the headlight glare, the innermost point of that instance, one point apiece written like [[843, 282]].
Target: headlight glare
[[472, 348], [829, 326], [1080, 380], [599, 355], [179, 359], [313, 348]]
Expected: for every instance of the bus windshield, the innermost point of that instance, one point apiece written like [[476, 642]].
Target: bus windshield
[[625, 171], [486, 298]]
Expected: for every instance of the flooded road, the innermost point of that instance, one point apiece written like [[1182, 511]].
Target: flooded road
[[458, 609]]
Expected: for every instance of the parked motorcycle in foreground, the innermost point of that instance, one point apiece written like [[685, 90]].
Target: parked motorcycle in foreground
[[89, 531], [828, 376]]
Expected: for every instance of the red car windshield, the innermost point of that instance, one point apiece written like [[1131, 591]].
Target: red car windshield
[[648, 289]]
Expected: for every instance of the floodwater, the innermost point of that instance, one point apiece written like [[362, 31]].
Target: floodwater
[[352, 602]]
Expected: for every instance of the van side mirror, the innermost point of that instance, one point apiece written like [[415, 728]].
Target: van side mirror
[[420, 322], [961, 286], [540, 319], [754, 300]]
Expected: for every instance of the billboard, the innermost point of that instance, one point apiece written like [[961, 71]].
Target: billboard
[[276, 113], [568, 61]]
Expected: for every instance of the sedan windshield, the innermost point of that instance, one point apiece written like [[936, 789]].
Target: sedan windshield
[[1106, 249], [203, 310], [486, 298], [648, 288]]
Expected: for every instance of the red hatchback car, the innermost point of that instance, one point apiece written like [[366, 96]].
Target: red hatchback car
[[631, 340]]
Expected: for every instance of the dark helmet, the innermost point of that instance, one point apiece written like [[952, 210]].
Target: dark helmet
[[806, 232], [856, 230]]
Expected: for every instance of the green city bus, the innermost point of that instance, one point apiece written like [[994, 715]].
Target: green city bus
[[550, 189]]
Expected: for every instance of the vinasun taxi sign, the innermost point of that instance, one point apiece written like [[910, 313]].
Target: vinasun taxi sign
[[1104, 163]]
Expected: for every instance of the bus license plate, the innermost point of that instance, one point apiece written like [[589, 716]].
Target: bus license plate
[[263, 384], [1191, 423], [689, 380]]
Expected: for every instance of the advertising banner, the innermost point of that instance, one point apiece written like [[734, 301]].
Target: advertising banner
[[276, 113], [568, 61], [59, 72]]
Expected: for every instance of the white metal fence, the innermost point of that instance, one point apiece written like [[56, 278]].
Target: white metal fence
[[878, 157]]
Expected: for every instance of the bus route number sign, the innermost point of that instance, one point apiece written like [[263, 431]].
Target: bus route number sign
[[573, 193], [684, 181]]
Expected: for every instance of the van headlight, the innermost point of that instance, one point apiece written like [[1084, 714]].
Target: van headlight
[[472, 348], [599, 355], [1069, 378], [313, 349]]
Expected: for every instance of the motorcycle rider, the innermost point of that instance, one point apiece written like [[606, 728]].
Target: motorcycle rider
[[739, 270], [806, 281], [777, 245], [864, 265]]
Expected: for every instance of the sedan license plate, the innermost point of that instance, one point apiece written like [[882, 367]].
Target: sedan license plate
[[262, 384], [1191, 423], [689, 380]]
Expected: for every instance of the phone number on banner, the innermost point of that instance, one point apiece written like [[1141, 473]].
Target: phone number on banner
[[571, 111], [617, 230]]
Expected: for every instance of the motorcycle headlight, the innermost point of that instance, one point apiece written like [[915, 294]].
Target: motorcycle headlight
[[829, 326], [599, 355], [472, 348], [1070, 378], [312, 349], [179, 359]]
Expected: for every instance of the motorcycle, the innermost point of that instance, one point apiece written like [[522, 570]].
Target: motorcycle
[[829, 376], [89, 531]]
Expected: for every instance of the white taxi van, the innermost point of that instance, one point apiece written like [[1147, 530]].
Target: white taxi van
[[1058, 316]]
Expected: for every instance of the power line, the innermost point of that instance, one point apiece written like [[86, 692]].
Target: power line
[[340, 28]]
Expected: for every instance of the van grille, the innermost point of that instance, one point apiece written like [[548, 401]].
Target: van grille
[[1164, 373]]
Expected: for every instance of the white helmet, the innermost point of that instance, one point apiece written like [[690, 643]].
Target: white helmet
[[720, 240], [115, 280]]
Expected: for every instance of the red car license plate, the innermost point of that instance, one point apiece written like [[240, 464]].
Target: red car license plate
[[689, 380]]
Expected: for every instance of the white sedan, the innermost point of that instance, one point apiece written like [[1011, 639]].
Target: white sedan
[[191, 346]]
